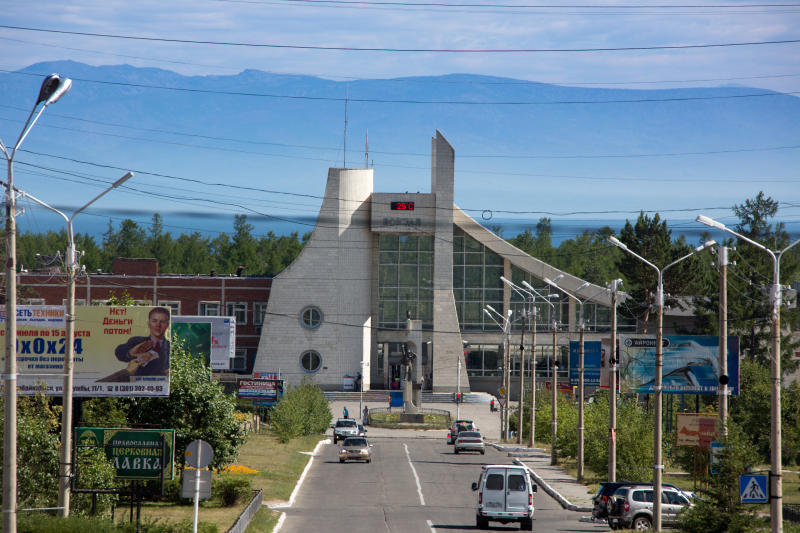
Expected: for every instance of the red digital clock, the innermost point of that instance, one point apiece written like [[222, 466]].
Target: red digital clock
[[402, 206]]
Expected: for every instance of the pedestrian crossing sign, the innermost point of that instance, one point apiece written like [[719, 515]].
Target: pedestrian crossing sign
[[753, 489]]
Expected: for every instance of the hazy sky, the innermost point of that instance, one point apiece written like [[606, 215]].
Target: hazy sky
[[556, 42]]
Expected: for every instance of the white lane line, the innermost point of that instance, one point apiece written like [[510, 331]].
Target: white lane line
[[430, 525], [282, 518], [416, 477]]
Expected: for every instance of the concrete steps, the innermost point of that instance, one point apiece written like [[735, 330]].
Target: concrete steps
[[381, 396]]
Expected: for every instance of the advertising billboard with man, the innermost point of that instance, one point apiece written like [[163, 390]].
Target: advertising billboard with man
[[119, 351]]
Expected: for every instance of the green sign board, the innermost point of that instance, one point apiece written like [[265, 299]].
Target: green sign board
[[135, 453]]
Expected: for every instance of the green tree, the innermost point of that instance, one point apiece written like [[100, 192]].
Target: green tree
[[197, 408], [302, 411]]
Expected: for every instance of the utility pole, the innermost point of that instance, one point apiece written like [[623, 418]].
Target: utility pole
[[533, 375], [521, 376], [554, 387], [723, 339], [612, 393]]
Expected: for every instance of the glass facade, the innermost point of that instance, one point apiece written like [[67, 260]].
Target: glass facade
[[405, 280], [476, 282]]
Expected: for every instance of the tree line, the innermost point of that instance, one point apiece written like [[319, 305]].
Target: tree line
[[185, 254]]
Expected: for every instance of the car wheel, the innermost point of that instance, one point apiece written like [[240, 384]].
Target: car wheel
[[334, 439], [642, 523], [526, 525], [455, 450], [481, 523], [341, 460], [483, 452]]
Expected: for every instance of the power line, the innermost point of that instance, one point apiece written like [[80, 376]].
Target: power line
[[540, 6], [407, 50]]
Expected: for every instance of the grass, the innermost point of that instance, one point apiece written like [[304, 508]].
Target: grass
[[279, 466]]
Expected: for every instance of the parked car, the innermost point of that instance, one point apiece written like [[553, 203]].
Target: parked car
[[633, 507], [469, 441], [343, 428], [362, 431], [505, 494], [355, 449], [604, 499], [459, 426]]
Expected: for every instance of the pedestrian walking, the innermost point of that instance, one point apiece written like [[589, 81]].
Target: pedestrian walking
[[365, 415], [346, 413], [491, 406]]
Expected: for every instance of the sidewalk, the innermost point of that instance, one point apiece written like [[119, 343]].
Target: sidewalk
[[554, 480]]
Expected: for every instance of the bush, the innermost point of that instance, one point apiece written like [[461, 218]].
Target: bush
[[231, 489], [42, 523], [302, 411]]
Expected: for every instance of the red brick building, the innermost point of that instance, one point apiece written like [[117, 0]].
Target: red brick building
[[240, 296]]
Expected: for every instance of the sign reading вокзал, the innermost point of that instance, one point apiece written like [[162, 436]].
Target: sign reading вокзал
[[134, 453]]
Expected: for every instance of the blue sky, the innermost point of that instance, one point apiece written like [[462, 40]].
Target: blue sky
[[470, 24]]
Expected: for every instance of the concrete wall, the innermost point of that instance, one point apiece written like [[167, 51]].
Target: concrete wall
[[332, 273]]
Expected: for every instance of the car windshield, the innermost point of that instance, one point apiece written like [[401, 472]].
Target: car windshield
[[471, 434], [355, 442], [346, 424]]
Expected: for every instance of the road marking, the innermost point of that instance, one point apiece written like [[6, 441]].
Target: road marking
[[416, 477], [282, 518], [430, 525]]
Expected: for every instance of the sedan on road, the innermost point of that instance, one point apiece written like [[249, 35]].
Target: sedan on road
[[355, 449], [469, 441]]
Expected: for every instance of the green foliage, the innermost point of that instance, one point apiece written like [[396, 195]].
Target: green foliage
[[197, 408], [720, 510], [230, 490], [105, 412], [124, 299], [43, 523], [38, 426], [185, 254], [302, 411], [95, 472]]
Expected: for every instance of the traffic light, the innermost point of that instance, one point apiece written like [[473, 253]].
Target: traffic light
[[457, 397]]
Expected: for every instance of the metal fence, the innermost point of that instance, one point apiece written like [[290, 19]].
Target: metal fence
[[421, 410], [249, 512], [791, 512]]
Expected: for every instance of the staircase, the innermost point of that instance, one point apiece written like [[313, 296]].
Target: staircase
[[382, 396]]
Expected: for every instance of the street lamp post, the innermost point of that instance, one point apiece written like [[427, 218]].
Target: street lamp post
[[65, 473], [612, 394], [658, 467], [776, 485], [554, 283], [52, 89], [506, 327]]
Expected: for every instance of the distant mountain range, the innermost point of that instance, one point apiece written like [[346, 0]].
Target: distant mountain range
[[281, 132]]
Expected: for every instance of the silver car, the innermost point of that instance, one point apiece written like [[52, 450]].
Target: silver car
[[469, 441], [633, 507]]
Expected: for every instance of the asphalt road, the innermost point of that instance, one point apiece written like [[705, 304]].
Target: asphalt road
[[414, 485]]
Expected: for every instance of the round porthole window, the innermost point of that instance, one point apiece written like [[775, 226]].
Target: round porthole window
[[310, 361], [311, 317]]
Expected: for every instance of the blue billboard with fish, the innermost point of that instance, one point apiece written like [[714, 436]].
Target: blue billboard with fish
[[690, 365]]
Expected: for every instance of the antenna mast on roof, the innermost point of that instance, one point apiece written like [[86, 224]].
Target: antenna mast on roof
[[366, 152]]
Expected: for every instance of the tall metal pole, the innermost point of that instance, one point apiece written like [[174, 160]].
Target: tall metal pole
[[776, 484], [521, 377], [612, 393], [554, 387], [52, 89], [533, 377], [458, 391], [507, 383], [580, 401], [658, 464], [723, 338]]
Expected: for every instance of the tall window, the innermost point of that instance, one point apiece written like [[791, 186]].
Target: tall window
[[405, 280], [259, 312], [173, 306], [239, 362], [476, 282], [208, 309], [237, 310]]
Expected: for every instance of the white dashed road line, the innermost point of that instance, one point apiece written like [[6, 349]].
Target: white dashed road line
[[416, 477]]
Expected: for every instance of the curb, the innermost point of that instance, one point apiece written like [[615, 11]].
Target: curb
[[282, 518], [541, 482]]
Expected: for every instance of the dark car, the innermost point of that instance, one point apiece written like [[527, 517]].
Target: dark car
[[603, 500]]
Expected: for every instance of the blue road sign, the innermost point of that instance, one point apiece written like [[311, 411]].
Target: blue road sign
[[753, 488]]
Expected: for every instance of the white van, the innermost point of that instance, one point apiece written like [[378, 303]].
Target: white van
[[505, 494]]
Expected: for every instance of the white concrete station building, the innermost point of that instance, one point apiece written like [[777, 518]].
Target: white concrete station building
[[373, 258]]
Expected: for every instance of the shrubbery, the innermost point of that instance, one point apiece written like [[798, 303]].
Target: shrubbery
[[230, 490], [302, 411], [44, 523]]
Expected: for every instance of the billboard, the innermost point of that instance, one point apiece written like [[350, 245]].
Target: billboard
[[223, 337], [691, 364], [265, 391], [134, 453], [591, 363], [196, 338], [119, 351], [696, 430]]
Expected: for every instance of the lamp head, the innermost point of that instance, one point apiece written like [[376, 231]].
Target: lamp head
[[616, 242], [490, 308], [585, 284], [705, 245], [710, 222], [53, 88], [527, 285], [555, 279], [123, 179]]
